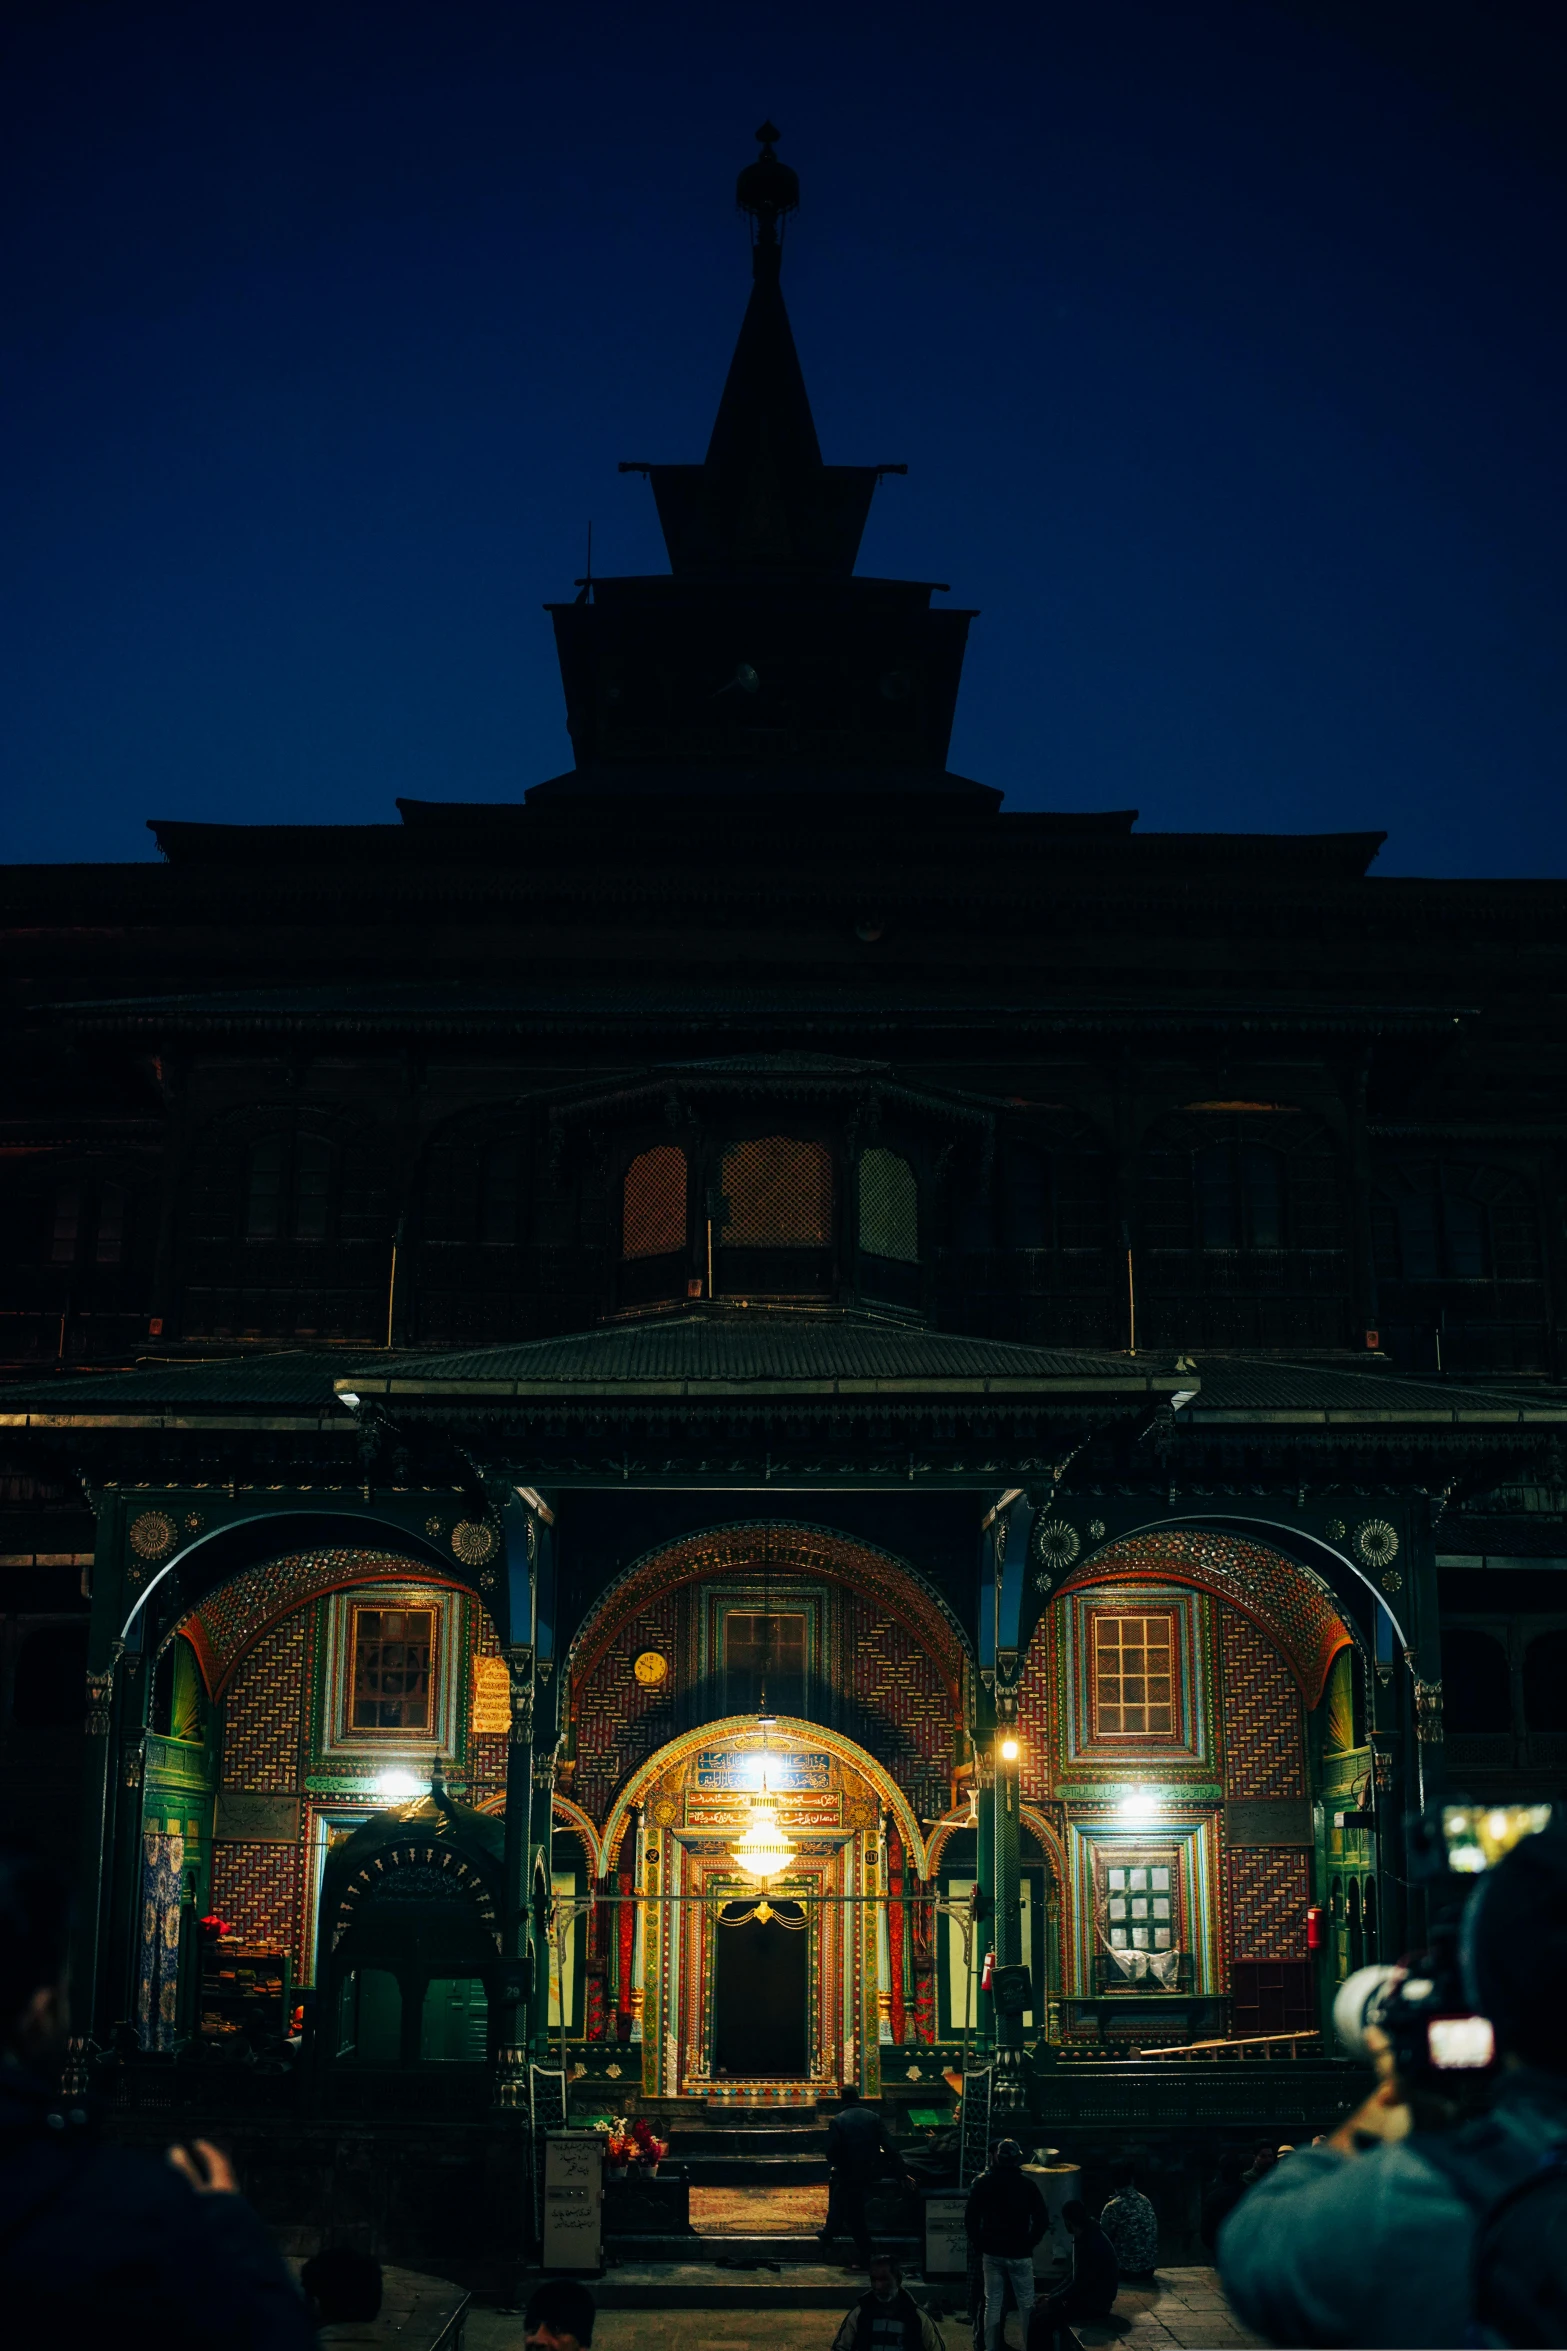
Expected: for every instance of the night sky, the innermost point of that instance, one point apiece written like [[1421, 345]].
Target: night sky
[[1225, 346]]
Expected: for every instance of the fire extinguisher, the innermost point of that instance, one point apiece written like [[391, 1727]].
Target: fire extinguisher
[[1316, 1928], [988, 1971]]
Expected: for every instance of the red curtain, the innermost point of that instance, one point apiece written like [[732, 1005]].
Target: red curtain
[[895, 1930]]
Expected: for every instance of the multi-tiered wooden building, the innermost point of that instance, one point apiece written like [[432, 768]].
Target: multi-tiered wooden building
[[1074, 1315]]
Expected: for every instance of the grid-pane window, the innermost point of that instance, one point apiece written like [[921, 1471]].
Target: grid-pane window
[[779, 1194], [653, 1206], [312, 1187], [889, 1207], [1140, 1906], [67, 1225], [264, 1190], [764, 1652], [498, 1190], [111, 1224], [394, 1651], [1134, 1690]]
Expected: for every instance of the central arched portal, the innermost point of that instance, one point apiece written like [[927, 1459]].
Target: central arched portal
[[750, 1992], [762, 1992]]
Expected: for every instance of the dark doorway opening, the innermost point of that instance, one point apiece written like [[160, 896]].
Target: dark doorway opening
[[759, 1994]]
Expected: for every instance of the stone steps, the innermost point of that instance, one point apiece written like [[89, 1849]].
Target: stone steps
[[689, 2278]]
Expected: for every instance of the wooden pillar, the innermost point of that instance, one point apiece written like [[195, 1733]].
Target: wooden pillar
[[1363, 1270]]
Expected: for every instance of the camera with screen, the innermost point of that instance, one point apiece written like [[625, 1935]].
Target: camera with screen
[[1442, 2051]]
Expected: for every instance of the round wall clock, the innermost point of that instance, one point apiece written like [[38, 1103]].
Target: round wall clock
[[650, 1669]]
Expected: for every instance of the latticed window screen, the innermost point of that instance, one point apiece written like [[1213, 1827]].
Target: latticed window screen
[[889, 1207], [394, 1649], [653, 1214], [779, 1192], [1140, 1906], [1134, 1692]]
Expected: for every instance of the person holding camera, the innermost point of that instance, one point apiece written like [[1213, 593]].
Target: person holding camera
[[1393, 2232]]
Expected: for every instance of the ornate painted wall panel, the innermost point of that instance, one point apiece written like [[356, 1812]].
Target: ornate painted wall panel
[[263, 1717], [1269, 1892], [1263, 1721]]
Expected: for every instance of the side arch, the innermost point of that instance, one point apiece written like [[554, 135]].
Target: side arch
[[225, 1626], [1294, 1608]]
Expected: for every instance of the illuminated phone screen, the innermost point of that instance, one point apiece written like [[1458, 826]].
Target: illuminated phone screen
[[1460, 2044]]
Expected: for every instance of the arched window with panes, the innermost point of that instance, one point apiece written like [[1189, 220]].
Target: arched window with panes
[[288, 1230], [772, 1219], [1033, 1254], [288, 1188], [1241, 1232], [1459, 1275]]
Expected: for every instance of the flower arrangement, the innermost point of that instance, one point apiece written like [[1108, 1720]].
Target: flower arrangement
[[627, 2143]]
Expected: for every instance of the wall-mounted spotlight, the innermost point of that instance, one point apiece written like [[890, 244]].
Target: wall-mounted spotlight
[[1139, 1804]]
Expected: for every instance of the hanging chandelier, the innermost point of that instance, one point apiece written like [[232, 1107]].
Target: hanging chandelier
[[764, 1849]]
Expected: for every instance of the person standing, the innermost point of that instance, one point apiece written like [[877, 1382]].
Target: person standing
[[1006, 2217], [1093, 2286], [1132, 2226], [858, 2152]]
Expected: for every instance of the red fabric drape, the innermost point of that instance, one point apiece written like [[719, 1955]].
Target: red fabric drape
[[625, 1930], [895, 1930]]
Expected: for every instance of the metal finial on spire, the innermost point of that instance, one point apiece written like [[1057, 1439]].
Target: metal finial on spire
[[767, 189]]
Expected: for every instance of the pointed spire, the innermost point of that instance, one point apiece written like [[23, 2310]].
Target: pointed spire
[[763, 502]]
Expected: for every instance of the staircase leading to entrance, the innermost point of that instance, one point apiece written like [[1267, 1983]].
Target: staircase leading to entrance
[[758, 2183], [753, 2147]]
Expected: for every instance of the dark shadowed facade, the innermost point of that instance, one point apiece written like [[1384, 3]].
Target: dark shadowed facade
[[1073, 1317]]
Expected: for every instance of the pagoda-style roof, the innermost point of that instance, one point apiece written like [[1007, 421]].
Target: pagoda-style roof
[[761, 1354], [754, 1351]]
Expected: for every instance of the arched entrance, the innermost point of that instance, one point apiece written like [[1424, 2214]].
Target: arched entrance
[[753, 1995]]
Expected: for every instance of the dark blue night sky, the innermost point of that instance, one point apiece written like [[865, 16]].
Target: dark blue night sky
[[1225, 345]]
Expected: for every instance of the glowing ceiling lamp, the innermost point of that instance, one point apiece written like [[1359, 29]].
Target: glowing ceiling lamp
[[397, 1786], [764, 1849]]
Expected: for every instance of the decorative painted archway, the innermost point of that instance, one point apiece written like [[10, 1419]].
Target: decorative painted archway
[[224, 1626], [691, 1801], [1283, 1599], [750, 1546]]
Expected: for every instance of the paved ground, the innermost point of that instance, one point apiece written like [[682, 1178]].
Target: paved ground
[[1178, 2307]]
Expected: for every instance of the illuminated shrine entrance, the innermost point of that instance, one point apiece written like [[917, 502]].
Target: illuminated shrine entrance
[[738, 2007], [761, 1992]]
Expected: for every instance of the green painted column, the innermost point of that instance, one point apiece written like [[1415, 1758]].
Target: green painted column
[[1010, 2095], [540, 1860], [90, 1996], [985, 1877]]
